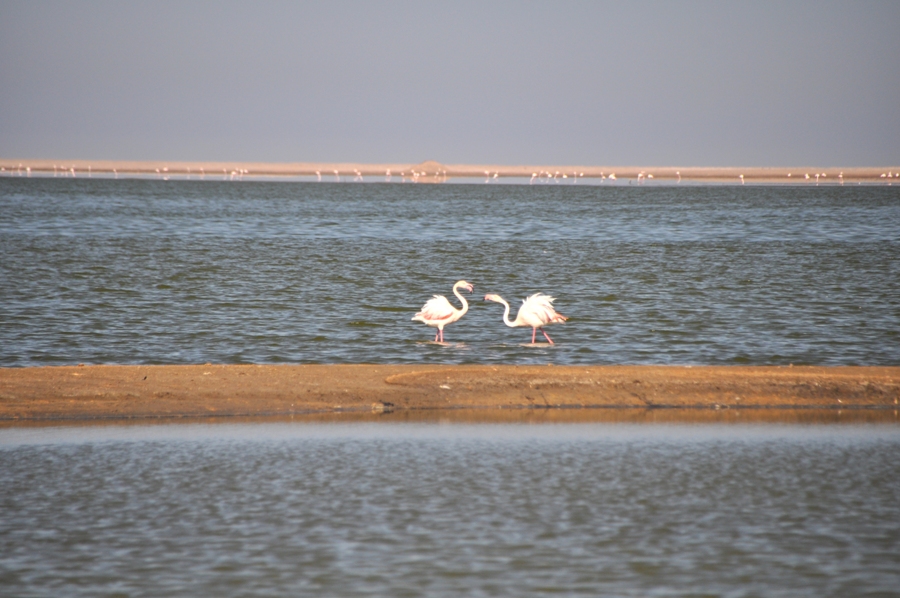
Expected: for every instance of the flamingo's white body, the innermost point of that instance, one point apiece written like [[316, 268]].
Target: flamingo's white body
[[537, 311], [438, 312]]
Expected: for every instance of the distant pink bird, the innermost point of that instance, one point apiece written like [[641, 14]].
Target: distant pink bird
[[536, 311], [438, 312]]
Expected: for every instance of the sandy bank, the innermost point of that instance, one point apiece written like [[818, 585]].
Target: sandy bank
[[127, 392], [436, 172]]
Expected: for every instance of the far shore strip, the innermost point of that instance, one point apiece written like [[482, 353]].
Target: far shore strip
[[435, 172], [169, 391]]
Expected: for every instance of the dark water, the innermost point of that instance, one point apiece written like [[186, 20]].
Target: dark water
[[144, 271], [445, 510]]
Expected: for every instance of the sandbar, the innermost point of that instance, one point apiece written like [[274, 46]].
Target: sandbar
[[569, 393], [431, 171]]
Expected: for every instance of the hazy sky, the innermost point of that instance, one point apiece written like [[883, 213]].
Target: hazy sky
[[609, 83]]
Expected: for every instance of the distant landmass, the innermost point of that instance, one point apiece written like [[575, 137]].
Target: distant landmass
[[435, 172]]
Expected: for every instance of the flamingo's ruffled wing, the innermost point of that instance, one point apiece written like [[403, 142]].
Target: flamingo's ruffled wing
[[540, 306], [435, 309]]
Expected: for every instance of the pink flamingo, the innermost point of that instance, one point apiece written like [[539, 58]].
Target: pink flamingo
[[438, 312], [536, 311]]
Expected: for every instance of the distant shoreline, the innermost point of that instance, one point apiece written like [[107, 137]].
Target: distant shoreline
[[435, 172], [136, 392]]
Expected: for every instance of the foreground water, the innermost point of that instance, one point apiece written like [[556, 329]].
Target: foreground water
[[428, 509], [145, 271]]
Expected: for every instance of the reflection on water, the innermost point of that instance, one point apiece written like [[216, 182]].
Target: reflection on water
[[516, 415], [435, 508]]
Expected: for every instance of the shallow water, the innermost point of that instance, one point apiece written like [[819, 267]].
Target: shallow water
[[149, 271], [429, 509]]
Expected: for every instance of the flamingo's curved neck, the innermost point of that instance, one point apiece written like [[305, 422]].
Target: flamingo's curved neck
[[465, 304], [506, 313]]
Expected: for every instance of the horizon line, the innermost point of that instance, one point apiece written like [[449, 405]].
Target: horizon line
[[433, 171]]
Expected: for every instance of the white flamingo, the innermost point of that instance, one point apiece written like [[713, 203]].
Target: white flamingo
[[438, 312], [537, 311]]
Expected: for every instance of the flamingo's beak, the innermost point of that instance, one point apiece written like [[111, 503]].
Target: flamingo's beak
[[470, 288]]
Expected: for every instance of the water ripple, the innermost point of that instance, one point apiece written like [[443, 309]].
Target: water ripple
[[391, 510], [142, 271]]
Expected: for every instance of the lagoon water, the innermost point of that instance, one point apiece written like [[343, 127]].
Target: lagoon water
[[149, 271], [390, 509], [152, 271]]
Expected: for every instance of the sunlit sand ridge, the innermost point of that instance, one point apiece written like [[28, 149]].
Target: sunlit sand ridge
[[435, 172], [88, 392]]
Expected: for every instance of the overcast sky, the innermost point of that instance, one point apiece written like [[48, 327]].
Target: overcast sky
[[725, 83]]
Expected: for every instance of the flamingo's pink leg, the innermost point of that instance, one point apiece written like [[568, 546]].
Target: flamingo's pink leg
[[442, 335], [548, 337], [436, 333]]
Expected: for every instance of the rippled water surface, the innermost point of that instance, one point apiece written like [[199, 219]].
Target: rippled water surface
[[147, 271], [450, 510]]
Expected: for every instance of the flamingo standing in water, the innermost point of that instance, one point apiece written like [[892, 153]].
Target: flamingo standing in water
[[438, 312], [536, 311]]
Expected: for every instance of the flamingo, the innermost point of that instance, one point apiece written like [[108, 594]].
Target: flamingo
[[536, 311], [438, 312]]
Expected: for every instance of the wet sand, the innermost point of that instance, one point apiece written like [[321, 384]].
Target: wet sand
[[484, 393], [436, 172]]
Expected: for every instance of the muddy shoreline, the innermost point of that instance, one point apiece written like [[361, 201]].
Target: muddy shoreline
[[476, 392]]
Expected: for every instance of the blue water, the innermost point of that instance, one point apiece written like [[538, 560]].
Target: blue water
[[151, 271], [450, 510]]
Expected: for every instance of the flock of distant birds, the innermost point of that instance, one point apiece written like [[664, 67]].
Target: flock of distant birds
[[440, 176], [536, 312]]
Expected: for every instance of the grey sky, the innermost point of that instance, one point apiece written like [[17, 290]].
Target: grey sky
[[650, 83]]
